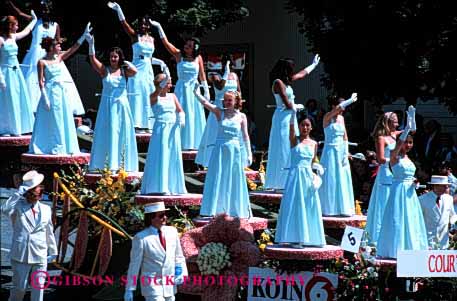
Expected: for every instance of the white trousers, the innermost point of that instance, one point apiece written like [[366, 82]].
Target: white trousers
[[21, 276], [159, 298]]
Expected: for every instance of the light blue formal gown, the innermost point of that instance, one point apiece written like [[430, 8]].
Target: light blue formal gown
[[163, 172], [225, 185], [209, 135], [54, 131], [279, 145], [403, 226], [336, 193], [379, 197], [114, 135], [300, 216], [141, 85], [192, 133], [17, 116]]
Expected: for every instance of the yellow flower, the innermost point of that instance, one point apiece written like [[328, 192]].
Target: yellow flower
[[264, 236], [122, 174], [269, 243], [262, 247]]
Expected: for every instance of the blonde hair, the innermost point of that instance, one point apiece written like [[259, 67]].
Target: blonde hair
[[237, 96], [382, 125]]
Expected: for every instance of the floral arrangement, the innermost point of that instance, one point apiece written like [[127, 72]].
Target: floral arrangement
[[213, 257], [266, 238], [237, 236]]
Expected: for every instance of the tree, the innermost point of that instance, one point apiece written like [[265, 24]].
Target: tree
[[384, 49]]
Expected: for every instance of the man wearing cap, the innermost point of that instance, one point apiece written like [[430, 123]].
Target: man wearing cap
[[33, 244], [156, 251], [437, 207]]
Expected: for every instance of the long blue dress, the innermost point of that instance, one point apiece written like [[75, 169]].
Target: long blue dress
[[54, 131], [192, 133], [29, 69], [225, 185], [279, 145], [379, 197], [336, 194], [163, 172], [17, 116], [114, 135], [300, 216], [141, 85], [209, 135], [403, 226]]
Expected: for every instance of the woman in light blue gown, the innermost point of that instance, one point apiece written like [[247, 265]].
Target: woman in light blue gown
[[45, 27], [17, 114], [226, 189], [114, 144], [403, 226], [141, 85], [163, 172], [336, 193], [54, 131], [300, 216], [228, 82], [190, 69], [385, 135], [278, 162]]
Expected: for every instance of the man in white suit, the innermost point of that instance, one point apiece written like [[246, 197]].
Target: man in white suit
[[438, 209], [157, 252], [33, 244]]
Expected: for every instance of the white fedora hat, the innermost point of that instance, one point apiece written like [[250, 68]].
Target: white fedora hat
[[439, 180], [32, 179], [156, 207]]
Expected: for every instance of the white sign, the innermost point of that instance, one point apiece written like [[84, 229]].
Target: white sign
[[266, 284], [427, 263], [351, 239]]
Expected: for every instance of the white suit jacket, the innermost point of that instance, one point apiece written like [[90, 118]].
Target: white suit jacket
[[437, 219], [148, 255], [33, 239]]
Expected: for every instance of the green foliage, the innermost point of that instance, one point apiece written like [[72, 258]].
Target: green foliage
[[384, 49]]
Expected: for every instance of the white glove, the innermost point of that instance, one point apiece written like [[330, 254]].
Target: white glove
[[22, 189], [412, 115], [247, 145], [33, 22], [87, 31], [159, 28], [156, 61], [118, 9], [90, 40], [317, 181], [51, 258], [205, 89], [311, 67], [345, 154], [349, 101], [298, 107], [406, 130], [47, 103], [128, 295], [227, 71], [181, 119], [164, 82], [318, 168], [2, 81], [128, 65]]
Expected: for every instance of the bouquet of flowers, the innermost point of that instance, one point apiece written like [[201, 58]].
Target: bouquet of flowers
[[213, 257]]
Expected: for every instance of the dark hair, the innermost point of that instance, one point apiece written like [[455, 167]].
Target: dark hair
[[47, 43], [195, 50], [283, 70], [304, 116], [119, 52], [148, 217], [334, 100], [142, 20], [44, 10], [5, 24]]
